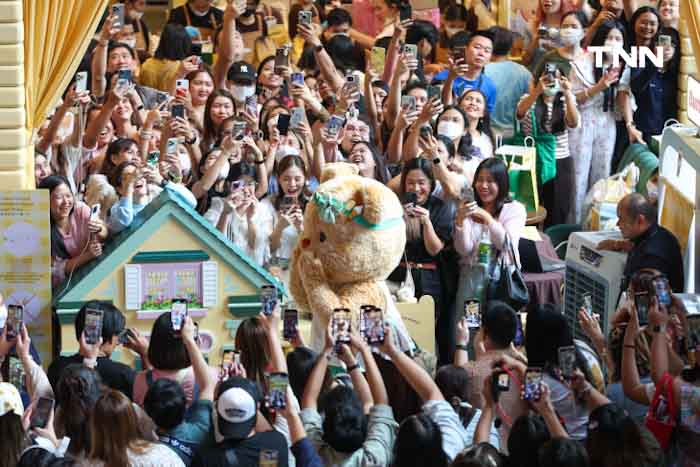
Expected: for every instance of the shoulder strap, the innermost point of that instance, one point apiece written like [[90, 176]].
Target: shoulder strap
[[186, 10], [149, 378], [268, 10], [534, 120]]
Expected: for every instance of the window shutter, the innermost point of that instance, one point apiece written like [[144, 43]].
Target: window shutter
[[210, 283], [132, 286]]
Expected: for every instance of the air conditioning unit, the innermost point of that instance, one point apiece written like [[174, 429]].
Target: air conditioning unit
[[592, 271]]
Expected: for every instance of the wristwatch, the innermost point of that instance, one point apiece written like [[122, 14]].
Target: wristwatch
[[318, 48], [659, 328], [192, 141], [352, 368], [436, 161], [462, 347]]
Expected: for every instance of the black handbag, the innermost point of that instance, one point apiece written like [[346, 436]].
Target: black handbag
[[506, 282]]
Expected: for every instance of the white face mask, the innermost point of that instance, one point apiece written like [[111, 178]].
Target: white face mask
[[130, 42], [284, 151], [552, 90], [452, 130], [452, 31], [241, 92], [135, 15], [570, 36]]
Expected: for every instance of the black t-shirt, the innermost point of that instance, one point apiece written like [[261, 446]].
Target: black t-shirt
[[114, 374], [245, 453], [211, 20], [442, 220], [657, 248]]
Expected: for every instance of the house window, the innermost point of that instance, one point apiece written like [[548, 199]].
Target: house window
[[160, 283]]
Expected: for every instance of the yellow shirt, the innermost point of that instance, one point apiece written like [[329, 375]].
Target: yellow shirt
[[158, 74]]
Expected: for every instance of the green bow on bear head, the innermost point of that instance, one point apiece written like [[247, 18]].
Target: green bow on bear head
[[329, 207]]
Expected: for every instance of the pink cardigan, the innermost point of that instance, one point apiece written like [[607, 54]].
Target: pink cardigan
[[466, 236]]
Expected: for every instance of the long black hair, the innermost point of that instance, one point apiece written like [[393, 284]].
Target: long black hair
[[635, 16], [424, 165], [380, 172], [175, 43], [599, 39], [58, 246], [419, 442], [498, 170], [484, 124]]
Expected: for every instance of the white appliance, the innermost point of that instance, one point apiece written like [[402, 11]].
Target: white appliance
[[592, 271]]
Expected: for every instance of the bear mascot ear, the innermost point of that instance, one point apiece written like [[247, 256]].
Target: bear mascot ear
[[338, 169]]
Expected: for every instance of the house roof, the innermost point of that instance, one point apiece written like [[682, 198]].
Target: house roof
[[125, 244]]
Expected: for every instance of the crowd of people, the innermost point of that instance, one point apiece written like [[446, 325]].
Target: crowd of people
[[236, 111]]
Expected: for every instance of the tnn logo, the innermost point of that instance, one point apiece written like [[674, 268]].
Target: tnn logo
[[635, 59]]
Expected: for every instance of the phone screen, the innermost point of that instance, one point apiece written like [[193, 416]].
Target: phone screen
[[641, 303], [95, 212], [16, 373], [662, 292], [171, 146], [533, 382], [177, 110], [283, 124], [472, 313], [587, 304], [298, 78], [341, 326], [290, 322], [277, 390], [297, 117], [281, 57], [334, 125], [124, 336], [118, 11], [374, 326], [251, 105], [408, 103], [15, 317], [434, 92], [567, 361], [410, 198], [153, 158], [81, 81], [93, 325], [41, 413], [178, 312], [377, 59], [467, 194], [268, 298]]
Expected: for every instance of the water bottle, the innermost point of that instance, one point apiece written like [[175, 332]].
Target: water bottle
[[485, 247]]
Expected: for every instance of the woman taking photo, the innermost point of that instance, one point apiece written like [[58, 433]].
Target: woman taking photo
[[75, 238], [201, 85], [655, 89], [490, 218], [547, 20], [428, 228], [220, 106], [478, 136], [161, 71], [116, 440]]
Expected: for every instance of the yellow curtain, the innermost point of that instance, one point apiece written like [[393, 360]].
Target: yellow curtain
[[677, 214], [690, 12], [56, 36]]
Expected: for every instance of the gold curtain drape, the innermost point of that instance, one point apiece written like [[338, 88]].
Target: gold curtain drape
[[56, 36], [677, 214]]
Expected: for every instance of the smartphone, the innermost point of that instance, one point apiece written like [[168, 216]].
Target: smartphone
[[171, 146], [472, 313], [297, 79], [283, 124], [118, 11], [459, 53], [268, 298], [153, 158], [290, 323], [237, 357], [124, 75], [177, 110], [41, 413], [178, 313], [81, 84], [251, 105], [377, 59], [334, 125], [374, 326], [550, 72], [341, 326], [16, 373], [125, 335], [500, 382], [408, 103], [466, 194], [226, 362], [93, 325], [181, 87], [410, 50], [434, 92], [567, 361], [665, 40], [288, 202], [15, 318], [426, 131], [297, 117], [410, 198], [277, 390], [236, 185], [95, 212], [404, 14], [641, 303], [281, 59], [663, 295], [238, 131], [519, 338], [532, 390], [196, 49], [305, 17], [587, 304]]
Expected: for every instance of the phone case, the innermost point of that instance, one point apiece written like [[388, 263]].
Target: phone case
[[277, 384], [93, 326], [178, 312], [291, 320], [472, 313]]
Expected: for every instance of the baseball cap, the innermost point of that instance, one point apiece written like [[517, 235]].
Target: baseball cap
[[10, 400], [236, 408], [241, 71]]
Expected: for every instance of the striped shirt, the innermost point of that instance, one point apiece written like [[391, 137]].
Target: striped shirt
[[562, 149]]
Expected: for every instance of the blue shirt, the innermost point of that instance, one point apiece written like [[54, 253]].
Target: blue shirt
[[122, 214], [512, 81], [483, 83], [185, 438]]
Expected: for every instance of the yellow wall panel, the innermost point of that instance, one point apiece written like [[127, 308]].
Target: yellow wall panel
[[11, 33], [13, 138], [14, 180], [12, 97], [12, 118], [688, 65], [10, 11], [11, 75], [682, 100], [11, 160], [12, 54]]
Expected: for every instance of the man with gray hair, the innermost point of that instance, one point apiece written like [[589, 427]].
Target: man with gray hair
[[647, 244]]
